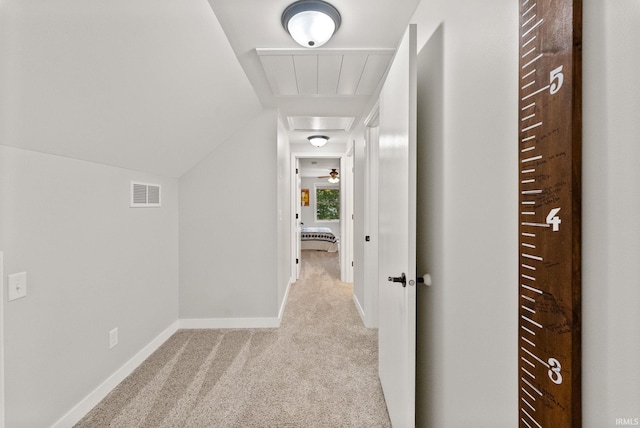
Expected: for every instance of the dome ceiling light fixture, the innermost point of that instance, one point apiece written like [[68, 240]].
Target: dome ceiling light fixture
[[311, 23], [318, 140]]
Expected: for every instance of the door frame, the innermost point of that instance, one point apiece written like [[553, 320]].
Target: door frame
[[370, 217], [346, 192]]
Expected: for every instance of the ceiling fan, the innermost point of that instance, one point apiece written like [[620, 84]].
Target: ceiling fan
[[334, 176]]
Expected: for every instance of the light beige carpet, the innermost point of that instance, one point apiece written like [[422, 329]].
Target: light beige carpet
[[319, 369]]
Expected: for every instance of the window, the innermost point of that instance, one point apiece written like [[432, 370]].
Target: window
[[327, 203]]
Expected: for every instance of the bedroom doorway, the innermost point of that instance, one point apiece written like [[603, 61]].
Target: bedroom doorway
[[323, 208]]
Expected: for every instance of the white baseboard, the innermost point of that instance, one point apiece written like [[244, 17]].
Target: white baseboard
[[89, 402], [285, 299], [213, 323], [359, 308]]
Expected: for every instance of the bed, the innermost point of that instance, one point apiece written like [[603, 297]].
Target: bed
[[318, 238]]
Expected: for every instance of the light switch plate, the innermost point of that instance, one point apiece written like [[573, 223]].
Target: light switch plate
[[17, 285]]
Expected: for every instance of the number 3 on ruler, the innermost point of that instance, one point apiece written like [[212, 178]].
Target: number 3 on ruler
[[556, 78], [554, 371], [553, 219]]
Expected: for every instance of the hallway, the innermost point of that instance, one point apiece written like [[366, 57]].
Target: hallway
[[319, 369]]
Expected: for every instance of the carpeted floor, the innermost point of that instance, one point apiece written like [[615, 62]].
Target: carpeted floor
[[319, 369]]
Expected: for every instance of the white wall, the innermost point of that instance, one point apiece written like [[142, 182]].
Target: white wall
[[308, 213], [93, 264], [467, 332], [467, 347], [229, 225], [611, 202]]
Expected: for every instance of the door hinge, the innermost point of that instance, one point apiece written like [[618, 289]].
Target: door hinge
[[297, 261], [351, 264], [296, 216], [367, 238], [296, 170]]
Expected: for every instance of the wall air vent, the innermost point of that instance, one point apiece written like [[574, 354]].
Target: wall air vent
[[145, 195]]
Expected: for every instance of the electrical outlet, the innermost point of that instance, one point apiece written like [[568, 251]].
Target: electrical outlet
[[113, 337], [17, 285]]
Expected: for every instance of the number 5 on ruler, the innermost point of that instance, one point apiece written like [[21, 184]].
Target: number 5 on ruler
[[557, 78], [553, 219]]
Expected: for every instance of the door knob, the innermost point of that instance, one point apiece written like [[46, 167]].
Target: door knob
[[401, 279]]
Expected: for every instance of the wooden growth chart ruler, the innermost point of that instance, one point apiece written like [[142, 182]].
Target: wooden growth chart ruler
[[549, 333]]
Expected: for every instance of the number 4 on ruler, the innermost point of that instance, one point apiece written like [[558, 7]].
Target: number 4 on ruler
[[553, 219]]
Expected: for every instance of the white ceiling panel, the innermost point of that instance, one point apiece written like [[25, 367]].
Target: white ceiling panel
[[329, 67], [281, 73], [315, 123], [342, 72], [352, 68], [306, 70]]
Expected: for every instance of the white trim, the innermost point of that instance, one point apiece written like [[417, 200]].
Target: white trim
[[2, 294], [90, 401], [371, 276], [359, 308], [296, 215], [284, 300], [216, 323], [347, 192], [373, 118], [346, 216]]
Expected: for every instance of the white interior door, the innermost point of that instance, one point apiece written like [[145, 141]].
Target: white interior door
[[397, 232]]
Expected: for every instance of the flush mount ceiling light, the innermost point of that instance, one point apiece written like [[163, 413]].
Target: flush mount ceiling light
[[318, 140], [311, 23]]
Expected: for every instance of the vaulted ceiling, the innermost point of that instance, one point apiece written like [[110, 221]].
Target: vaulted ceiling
[[155, 85]]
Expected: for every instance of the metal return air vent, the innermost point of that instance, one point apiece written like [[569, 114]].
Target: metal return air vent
[[145, 195]]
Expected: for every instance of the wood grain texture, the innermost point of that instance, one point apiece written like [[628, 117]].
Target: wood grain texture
[[550, 213]]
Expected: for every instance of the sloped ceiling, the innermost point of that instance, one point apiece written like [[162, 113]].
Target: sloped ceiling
[[149, 85], [156, 85]]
